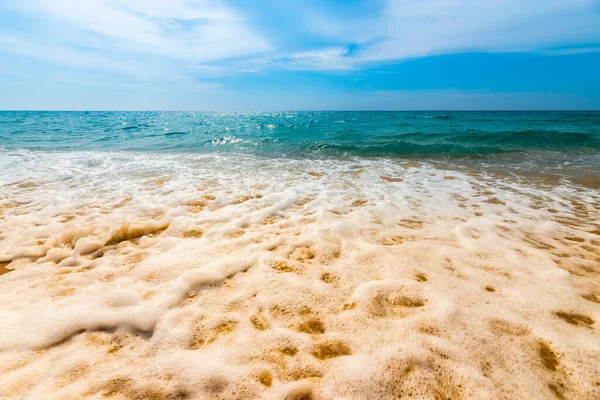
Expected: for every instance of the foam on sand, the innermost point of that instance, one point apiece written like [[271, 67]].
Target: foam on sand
[[132, 276]]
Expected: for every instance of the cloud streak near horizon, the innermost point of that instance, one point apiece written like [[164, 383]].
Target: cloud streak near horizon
[[192, 44]]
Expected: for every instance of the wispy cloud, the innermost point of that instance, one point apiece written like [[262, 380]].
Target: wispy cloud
[[199, 30], [150, 41], [408, 29], [333, 58], [197, 45], [71, 56], [411, 29], [574, 50], [205, 32]]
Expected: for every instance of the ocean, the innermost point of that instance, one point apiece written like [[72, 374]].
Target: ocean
[[299, 254], [305, 134]]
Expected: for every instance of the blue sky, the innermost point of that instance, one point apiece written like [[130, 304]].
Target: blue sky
[[328, 54]]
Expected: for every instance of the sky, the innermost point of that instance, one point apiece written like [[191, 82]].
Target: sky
[[299, 54]]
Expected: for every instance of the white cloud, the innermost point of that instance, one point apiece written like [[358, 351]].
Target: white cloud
[[412, 29], [209, 38], [198, 31], [576, 50], [71, 57], [406, 29], [334, 58]]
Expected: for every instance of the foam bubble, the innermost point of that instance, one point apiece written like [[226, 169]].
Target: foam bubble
[[225, 276]]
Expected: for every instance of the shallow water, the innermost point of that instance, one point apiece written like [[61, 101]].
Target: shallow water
[[239, 274]]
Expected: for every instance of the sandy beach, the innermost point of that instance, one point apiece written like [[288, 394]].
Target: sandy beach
[[231, 277], [299, 200]]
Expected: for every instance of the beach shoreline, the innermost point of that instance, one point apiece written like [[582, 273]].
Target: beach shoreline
[[202, 276]]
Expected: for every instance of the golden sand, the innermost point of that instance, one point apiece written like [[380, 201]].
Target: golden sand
[[401, 281]]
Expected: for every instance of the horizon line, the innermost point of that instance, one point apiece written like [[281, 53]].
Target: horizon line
[[307, 110]]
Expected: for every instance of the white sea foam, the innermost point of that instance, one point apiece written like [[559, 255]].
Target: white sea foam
[[132, 275]]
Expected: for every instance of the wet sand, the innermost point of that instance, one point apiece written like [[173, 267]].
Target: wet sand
[[220, 277]]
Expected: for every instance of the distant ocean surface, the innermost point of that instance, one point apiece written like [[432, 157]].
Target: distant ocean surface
[[305, 133]]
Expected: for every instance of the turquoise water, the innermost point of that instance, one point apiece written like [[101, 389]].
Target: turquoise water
[[307, 133]]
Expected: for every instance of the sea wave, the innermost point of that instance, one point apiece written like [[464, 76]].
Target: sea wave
[[304, 133]]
